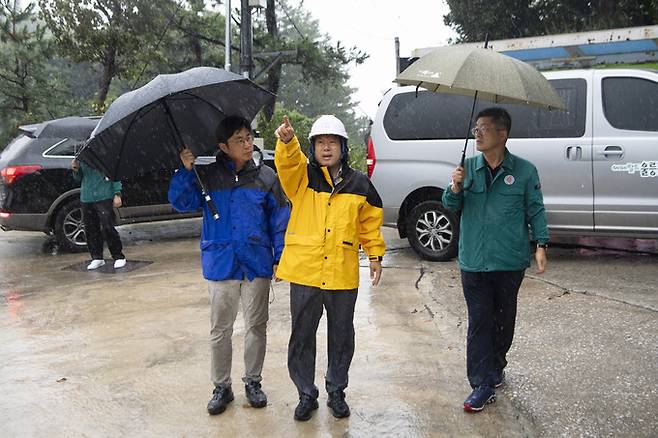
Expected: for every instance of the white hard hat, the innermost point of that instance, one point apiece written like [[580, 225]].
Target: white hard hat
[[328, 125]]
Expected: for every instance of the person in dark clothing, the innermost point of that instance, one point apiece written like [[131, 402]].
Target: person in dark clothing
[[240, 251], [499, 196], [99, 196]]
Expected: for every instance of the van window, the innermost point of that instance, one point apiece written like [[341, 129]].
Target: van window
[[529, 122], [436, 116], [65, 148], [430, 116], [630, 103]]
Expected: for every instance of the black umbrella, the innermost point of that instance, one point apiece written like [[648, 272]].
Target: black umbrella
[[76, 128], [144, 130]]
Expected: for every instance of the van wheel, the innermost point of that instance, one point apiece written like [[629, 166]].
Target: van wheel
[[69, 229], [433, 231]]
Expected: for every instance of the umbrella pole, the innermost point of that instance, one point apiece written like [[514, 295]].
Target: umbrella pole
[[470, 119], [468, 130], [179, 142]]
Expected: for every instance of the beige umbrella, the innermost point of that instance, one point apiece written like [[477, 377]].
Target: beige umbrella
[[495, 77], [481, 73]]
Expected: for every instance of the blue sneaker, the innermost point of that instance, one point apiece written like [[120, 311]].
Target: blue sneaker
[[480, 396], [501, 380]]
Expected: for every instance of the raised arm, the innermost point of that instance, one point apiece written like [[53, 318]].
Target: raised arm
[[289, 160]]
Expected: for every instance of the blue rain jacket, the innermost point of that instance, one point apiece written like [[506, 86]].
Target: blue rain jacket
[[248, 237]]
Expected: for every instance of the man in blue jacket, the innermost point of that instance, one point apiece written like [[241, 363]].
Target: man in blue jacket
[[239, 251]]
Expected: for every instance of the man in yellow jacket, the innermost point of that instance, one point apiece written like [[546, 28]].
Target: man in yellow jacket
[[334, 209]]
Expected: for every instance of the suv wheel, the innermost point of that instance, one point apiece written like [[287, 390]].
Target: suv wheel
[[68, 227], [433, 231]]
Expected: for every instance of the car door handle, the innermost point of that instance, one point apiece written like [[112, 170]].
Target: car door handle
[[574, 153], [612, 150]]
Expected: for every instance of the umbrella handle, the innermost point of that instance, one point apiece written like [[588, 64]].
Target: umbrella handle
[[206, 196], [211, 205]]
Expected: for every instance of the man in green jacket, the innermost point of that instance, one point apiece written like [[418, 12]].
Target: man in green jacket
[[98, 196], [499, 196]]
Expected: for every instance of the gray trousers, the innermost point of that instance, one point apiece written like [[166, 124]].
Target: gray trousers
[[224, 300], [306, 305]]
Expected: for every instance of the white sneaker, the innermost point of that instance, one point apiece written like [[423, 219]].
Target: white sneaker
[[119, 263], [95, 264]]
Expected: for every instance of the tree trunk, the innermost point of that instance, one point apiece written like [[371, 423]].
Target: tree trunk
[[109, 70], [198, 51], [274, 74]]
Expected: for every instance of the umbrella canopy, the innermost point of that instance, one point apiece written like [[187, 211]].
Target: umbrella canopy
[[493, 76], [76, 128], [145, 129]]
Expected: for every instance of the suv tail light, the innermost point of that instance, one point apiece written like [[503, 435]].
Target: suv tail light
[[11, 173], [370, 157]]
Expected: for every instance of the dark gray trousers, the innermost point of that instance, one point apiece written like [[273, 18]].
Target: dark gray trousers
[[306, 306]]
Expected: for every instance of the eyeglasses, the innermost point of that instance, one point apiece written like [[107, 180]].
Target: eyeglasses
[[483, 130], [243, 140]]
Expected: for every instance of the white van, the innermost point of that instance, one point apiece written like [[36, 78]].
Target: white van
[[598, 162]]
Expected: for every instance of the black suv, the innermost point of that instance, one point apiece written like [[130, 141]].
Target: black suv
[[38, 191]]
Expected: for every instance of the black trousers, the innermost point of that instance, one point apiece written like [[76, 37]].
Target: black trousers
[[98, 218], [491, 301], [306, 305]]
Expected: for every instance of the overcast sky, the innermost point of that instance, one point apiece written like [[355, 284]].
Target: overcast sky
[[372, 26]]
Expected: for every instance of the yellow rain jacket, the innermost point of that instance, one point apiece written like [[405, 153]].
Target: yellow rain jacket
[[327, 223]]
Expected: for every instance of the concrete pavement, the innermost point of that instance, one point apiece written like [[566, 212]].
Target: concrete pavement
[[126, 354]]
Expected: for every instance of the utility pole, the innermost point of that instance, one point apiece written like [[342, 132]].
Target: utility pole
[[246, 40], [397, 56], [227, 37]]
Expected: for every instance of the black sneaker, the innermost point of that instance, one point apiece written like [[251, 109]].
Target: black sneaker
[[336, 402], [255, 395], [221, 397], [479, 398], [307, 404]]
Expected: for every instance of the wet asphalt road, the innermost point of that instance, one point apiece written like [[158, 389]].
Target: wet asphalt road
[[125, 354]]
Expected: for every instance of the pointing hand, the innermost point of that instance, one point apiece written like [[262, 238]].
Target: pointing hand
[[285, 131]]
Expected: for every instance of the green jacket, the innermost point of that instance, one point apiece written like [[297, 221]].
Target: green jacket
[[494, 233], [94, 186]]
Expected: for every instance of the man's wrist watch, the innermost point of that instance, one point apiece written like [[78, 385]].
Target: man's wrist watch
[[375, 258], [542, 245]]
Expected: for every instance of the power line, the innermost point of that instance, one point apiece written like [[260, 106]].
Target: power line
[[285, 11]]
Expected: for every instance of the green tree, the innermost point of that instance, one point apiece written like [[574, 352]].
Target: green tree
[[299, 121], [578, 15], [310, 76], [30, 87], [195, 37], [473, 19], [302, 125], [501, 19], [118, 35], [314, 80], [315, 61]]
